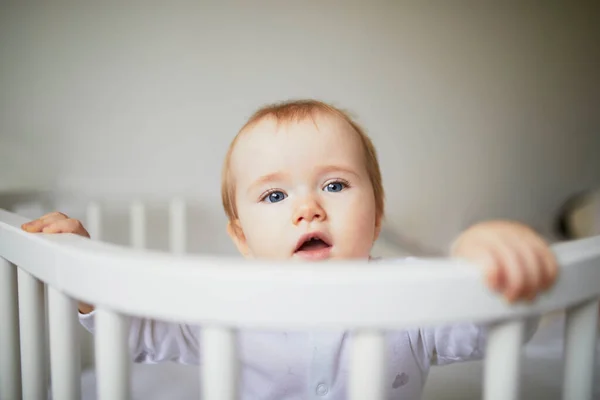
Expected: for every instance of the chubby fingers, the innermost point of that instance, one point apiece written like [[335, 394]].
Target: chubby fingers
[[524, 267], [55, 222], [536, 263], [517, 266], [66, 226], [38, 225]]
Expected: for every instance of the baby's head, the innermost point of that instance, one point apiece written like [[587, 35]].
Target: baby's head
[[298, 171]]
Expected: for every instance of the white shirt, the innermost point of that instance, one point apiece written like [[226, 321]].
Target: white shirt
[[280, 365]]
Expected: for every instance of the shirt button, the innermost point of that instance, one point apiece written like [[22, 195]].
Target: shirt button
[[322, 389]]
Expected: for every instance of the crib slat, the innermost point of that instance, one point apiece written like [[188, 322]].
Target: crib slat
[[219, 371], [177, 226], [503, 361], [10, 362], [367, 366], [94, 221], [32, 320], [581, 330], [64, 346], [112, 355], [94, 228], [137, 225]]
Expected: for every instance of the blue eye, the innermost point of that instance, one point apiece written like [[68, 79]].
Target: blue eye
[[275, 196], [335, 187]]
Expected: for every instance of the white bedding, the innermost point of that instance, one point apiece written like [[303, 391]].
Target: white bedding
[[541, 373]]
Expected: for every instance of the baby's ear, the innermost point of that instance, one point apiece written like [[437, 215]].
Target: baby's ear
[[236, 234]]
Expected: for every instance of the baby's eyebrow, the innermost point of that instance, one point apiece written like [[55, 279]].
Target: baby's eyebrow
[[275, 176], [337, 168]]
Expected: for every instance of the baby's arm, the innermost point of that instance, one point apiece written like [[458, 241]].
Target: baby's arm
[[459, 342], [517, 264], [153, 341], [150, 341]]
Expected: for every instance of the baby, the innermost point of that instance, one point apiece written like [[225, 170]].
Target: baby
[[301, 181]]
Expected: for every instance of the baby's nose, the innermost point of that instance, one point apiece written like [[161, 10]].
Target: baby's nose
[[308, 211]]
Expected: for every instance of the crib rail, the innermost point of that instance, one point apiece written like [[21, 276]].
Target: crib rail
[[299, 296]]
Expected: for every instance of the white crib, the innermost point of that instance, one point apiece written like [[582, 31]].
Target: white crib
[[283, 297]]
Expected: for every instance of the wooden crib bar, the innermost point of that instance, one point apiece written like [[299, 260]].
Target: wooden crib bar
[[219, 373], [32, 322], [501, 379], [10, 360], [93, 220], [177, 226], [65, 364], [367, 365], [220, 366], [581, 333], [137, 225], [113, 364]]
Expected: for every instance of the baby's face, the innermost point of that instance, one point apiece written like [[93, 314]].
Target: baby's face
[[300, 181]]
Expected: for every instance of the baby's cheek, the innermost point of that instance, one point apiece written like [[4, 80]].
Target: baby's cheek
[[261, 241], [264, 235], [361, 231]]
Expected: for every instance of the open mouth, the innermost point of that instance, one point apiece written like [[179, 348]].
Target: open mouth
[[313, 245]]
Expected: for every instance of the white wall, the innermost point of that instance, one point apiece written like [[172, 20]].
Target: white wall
[[478, 112]]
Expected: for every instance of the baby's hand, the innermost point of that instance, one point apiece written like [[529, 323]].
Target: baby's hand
[[519, 264], [55, 222]]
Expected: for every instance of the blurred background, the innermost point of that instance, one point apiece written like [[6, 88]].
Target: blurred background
[[478, 110]]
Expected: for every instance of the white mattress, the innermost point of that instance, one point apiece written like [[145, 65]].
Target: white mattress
[[541, 373]]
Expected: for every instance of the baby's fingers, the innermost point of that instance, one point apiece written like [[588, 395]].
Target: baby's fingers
[[488, 258], [532, 270], [515, 282], [507, 273], [39, 224], [66, 226]]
